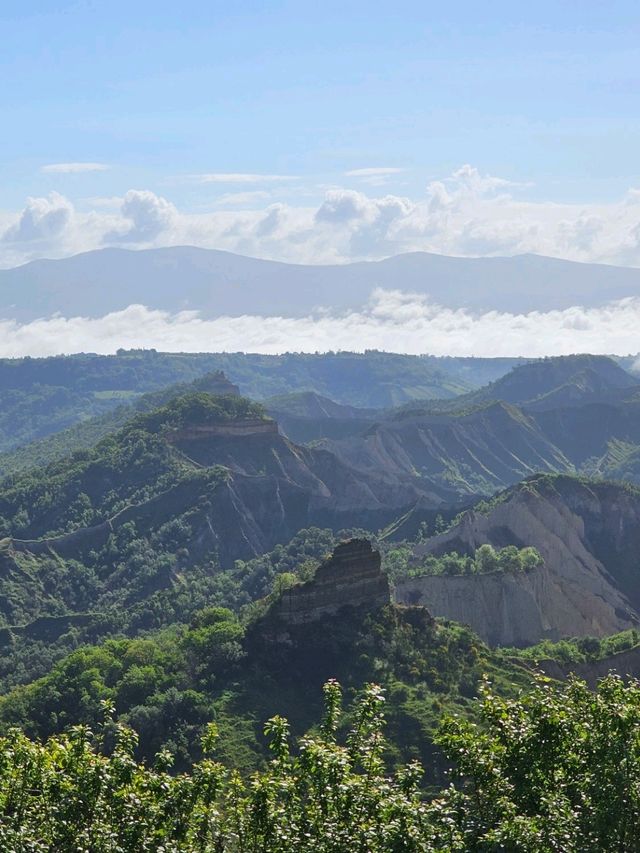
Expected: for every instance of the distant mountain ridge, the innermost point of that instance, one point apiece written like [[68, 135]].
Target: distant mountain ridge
[[553, 382], [218, 283], [40, 396], [584, 417]]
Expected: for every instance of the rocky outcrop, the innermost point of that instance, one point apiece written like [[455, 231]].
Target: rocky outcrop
[[217, 383], [587, 536], [351, 577]]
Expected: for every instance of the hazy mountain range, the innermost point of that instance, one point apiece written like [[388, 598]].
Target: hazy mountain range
[[218, 283]]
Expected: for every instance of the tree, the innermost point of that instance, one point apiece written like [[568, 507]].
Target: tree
[[324, 797], [486, 559], [557, 769]]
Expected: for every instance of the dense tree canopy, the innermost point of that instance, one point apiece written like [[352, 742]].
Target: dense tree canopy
[[555, 770]]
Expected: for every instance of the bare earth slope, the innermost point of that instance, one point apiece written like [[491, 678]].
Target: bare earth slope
[[475, 453], [589, 537]]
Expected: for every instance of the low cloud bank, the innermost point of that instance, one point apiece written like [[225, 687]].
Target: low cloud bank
[[393, 320]]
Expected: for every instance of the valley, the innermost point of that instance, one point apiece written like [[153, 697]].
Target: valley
[[196, 554], [319, 428], [167, 547]]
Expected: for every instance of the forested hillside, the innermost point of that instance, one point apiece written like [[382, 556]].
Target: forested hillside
[[40, 396], [166, 564]]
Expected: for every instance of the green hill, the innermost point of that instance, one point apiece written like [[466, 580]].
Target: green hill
[[170, 683], [41, 396]]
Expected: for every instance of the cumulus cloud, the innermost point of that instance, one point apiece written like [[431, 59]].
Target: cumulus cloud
[[470, 179], [371, 223], [342, 206], [393, 321], [465, 213], [147, 216], [41, 220], [73, 168], [271, 222]]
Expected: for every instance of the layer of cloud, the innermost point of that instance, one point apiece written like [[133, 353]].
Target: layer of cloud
[[392, 321], [373, 172], [242, 178], [73, 168], [375, 176], [468, 213]]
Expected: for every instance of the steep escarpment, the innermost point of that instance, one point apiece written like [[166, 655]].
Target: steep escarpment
[[308, 416], [192, 486], [588, 535], [588, 434], [351, 577], [339, 493], [469, 453], [573, 414]]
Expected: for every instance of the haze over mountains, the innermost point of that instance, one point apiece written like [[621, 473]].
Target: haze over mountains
[[219, 283]]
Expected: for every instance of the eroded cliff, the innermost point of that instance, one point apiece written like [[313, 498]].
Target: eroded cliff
[[351, 577], [587, 534]]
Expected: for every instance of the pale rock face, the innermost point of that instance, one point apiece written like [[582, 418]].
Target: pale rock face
[[573, 594]]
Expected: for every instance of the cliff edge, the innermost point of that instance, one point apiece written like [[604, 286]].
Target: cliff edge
[[587, 534]]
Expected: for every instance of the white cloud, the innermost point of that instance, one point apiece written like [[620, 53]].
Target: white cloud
[[272, 221], [242, 178], [373, 171], [466, 213], [393, 321], [369, 225], [342, 206], [469, 178], [375, 176], [41, 220], [147, 216], [74, 168]]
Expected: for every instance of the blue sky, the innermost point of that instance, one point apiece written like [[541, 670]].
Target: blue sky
[[215, 110]]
